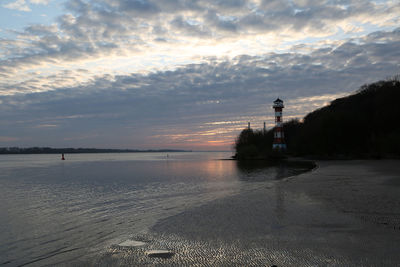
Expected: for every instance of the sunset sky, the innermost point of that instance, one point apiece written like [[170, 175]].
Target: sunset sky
[[148, 74]]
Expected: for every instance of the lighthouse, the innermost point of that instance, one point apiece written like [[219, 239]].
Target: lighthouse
[[279, 137]]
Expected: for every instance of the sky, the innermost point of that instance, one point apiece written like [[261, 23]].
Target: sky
[[180, 74]]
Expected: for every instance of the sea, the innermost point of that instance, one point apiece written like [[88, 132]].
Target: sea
[[61, 212]]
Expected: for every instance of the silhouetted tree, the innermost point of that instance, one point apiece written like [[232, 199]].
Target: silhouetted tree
[[253, 144], [364, 124]]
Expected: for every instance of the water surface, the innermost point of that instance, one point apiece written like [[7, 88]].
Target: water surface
[[55, 211]]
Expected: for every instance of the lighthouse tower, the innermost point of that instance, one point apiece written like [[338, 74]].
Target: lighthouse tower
[[279, 137]]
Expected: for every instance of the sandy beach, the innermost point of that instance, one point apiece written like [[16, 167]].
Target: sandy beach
[[343, 213]]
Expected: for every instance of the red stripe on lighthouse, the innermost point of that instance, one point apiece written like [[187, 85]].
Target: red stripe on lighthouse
[[279, 142]]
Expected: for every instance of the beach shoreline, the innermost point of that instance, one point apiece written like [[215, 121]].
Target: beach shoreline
[[342, 213]]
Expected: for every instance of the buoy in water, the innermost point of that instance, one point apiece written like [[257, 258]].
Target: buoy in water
[[62, 156]]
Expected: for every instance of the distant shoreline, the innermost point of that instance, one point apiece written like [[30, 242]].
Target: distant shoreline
[[48, 150]]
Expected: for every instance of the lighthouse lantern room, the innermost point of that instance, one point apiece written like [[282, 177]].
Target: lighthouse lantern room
[[279, 137]]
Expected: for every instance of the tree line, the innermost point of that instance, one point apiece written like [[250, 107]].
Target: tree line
[[362, 125], [49, 150]]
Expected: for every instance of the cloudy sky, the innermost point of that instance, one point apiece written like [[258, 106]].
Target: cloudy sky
[[183, 74]]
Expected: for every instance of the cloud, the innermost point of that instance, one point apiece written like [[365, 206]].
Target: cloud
[[40, 2], [138, 7], [22, 5], [19, 5], [188, 106], [189, 27], [8, 139], [177, 66], [90, 30]]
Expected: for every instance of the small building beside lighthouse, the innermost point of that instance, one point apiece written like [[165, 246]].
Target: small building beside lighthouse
[[279, 136]]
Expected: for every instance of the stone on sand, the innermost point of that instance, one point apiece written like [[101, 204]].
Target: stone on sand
[[160, 253], [132, 243]]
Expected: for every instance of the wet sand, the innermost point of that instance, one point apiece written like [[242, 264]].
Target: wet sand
[[343, 213]]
